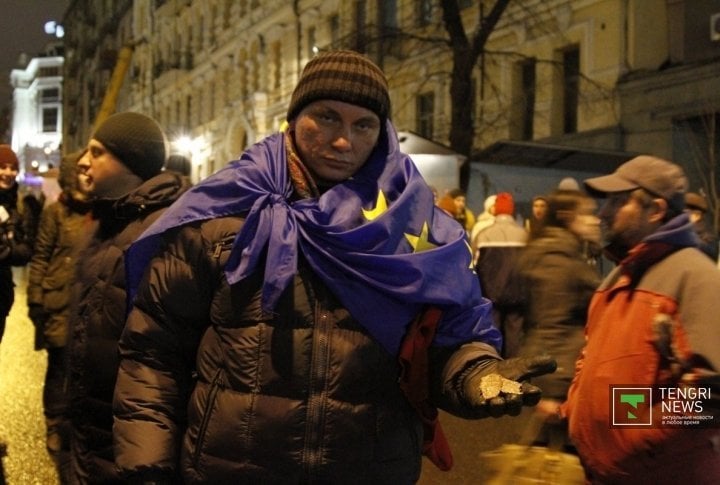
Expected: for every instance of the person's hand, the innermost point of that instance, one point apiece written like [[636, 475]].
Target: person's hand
[[549, 410], [37, 315], [517, 369]]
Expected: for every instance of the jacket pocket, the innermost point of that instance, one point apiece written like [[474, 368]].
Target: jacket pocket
[[56, 299]]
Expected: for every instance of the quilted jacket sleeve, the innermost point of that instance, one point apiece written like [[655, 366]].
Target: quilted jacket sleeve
[[157, 351], [44, 245]]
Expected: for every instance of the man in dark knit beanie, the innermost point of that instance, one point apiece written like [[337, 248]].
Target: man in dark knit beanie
[[135, 140], [121, 171], [275, 301]]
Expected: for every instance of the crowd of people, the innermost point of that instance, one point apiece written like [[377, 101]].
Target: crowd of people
[[301, 315]]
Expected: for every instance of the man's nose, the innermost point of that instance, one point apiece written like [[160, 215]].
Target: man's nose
[[84, 162], [343, 139]]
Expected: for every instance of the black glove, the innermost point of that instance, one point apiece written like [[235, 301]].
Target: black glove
[[515, 369], [38, 315]]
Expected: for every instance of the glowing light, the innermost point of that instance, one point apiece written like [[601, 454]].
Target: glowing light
[[184, 143], [53, 28], [194, 147]]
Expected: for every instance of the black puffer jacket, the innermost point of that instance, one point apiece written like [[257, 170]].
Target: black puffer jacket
[[16, 244], [303, 395], [98, 311]]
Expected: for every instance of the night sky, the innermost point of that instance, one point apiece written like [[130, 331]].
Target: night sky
[[22, 30]]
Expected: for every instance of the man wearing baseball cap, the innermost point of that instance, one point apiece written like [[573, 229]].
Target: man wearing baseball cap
[[652, 324], [121, 171], [273, 304]]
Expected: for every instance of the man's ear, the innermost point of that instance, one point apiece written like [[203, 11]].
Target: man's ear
[[658, 210]]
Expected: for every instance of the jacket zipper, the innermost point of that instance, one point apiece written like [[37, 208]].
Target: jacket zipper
[[317, 396], [214, 388], [222, 245]]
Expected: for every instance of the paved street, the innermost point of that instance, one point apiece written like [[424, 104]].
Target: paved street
[[22, 371], [468, 439]]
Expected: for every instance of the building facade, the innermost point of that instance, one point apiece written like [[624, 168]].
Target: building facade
[[218, 74], [37, 111]]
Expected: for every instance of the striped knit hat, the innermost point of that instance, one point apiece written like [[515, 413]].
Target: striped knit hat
[[342, 76]]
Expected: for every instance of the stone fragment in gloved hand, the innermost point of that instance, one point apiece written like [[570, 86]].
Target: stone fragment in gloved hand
[[494, 402], [492, 385]]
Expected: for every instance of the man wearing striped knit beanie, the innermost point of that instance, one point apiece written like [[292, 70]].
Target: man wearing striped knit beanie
[[276, 302]]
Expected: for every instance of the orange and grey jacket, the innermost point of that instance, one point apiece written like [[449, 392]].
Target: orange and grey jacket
[[663, 283]]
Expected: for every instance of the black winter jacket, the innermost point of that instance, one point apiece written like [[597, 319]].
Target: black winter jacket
[[303, 395], [16, 245], [98, 311], [63, 228], [559, 284]]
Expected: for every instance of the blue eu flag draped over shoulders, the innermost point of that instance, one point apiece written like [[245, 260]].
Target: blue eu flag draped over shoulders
[[377, 240]]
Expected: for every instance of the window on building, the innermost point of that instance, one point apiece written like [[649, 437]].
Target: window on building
[[387, 15], [476, 94], [311, 40], [212, 102], [360, 21], [48, 71], [334, 29], [189, 118], [277, 64], [696, 147], [424, 12], [211, 25], [571, 88], [526, 100], [50, 95], [50, 120], [227, 15], [425, 107]]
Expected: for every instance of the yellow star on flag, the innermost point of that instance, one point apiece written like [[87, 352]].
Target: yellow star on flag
[[380, 207], [420, 243]]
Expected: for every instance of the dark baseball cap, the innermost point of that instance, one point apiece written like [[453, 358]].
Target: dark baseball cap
[[659, 177]]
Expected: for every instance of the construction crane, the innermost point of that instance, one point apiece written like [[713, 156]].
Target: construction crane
[[109, 101]]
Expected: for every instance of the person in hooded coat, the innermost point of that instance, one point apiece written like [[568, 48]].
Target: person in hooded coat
[[62, 228]]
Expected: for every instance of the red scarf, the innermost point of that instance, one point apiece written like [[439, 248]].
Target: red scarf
[[643, 256]]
